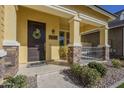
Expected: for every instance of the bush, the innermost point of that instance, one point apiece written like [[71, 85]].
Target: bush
[[99, 67], [76, 70], [89, 76], [63, 53], [85, 75], [16, 82], [116, 63]]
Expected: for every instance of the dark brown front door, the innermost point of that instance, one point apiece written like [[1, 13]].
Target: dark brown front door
[[36, 41]]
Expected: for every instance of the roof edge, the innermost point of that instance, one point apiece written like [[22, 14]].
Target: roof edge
[[103, 11]]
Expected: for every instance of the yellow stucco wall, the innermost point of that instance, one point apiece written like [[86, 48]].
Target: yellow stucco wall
[[1, 25], [52, 22]]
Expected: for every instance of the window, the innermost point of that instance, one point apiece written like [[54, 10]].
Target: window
[[64, 38], [61, 38], [122, 16]]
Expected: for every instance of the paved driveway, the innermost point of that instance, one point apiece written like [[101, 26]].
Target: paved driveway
[[48, 76]]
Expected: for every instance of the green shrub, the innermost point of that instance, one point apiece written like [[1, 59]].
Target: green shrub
[[76, 70], [63, 53], [89, 76], [16, 82], [116, 63], [85, 75], [99, 67]]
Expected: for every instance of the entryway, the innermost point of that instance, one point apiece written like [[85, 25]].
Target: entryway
[[36, 41]]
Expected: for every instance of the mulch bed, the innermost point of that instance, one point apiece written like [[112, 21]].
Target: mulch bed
[[113, 75]]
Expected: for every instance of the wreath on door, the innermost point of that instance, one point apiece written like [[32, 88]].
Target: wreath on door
[[36, 34]]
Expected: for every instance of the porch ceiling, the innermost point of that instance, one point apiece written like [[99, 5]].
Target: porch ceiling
[[51, 10], [84, 27], [67, 13]]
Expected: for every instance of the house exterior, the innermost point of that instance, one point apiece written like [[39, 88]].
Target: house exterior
[[116, 35], [33, 33]]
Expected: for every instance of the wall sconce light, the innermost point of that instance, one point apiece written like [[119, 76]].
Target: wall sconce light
[[53, 31]]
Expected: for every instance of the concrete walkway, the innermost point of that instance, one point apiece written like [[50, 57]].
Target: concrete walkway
[[48, 76], [40, 70], [54, 80]]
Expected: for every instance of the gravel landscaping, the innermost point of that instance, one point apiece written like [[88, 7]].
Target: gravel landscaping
[[32, 82], [113, 75], [121, 86]]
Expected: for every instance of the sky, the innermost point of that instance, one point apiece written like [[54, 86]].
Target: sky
[[112, 8]]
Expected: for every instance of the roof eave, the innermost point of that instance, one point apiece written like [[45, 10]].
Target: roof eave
[[103, 11]]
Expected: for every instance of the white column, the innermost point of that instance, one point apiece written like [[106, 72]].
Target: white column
[[74, 49], [10, 26], [104, 41], [75, 37], [104, 37]]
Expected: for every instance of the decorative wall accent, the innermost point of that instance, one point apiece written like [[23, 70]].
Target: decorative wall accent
[[37, 34], [53, 37]]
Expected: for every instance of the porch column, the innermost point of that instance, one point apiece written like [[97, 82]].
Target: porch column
[[104, 41], [74, 48], [10, 43], [10, 26], [2, 51]]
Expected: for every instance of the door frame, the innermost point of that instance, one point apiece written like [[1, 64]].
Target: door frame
[[44, 40]]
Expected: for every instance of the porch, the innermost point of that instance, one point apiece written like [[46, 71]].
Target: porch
[[56, 26], [61, 26]]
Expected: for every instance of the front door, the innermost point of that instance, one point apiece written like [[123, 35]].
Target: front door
[[36, 41]]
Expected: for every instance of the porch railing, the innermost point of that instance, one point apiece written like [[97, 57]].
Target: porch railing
[[93, 53]]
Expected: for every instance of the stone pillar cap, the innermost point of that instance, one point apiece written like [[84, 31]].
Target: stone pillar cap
[[104, 45], [11, 43]]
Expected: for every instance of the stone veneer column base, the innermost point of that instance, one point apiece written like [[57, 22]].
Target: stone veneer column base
[[2, 70], [107, 53], [11, 60], [74, 54]]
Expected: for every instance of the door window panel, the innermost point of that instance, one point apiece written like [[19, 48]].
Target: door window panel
[[61, 38]]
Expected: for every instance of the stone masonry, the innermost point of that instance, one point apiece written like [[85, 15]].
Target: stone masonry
[[74, 54], [107, 53], [11, 60], [2, 69]]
